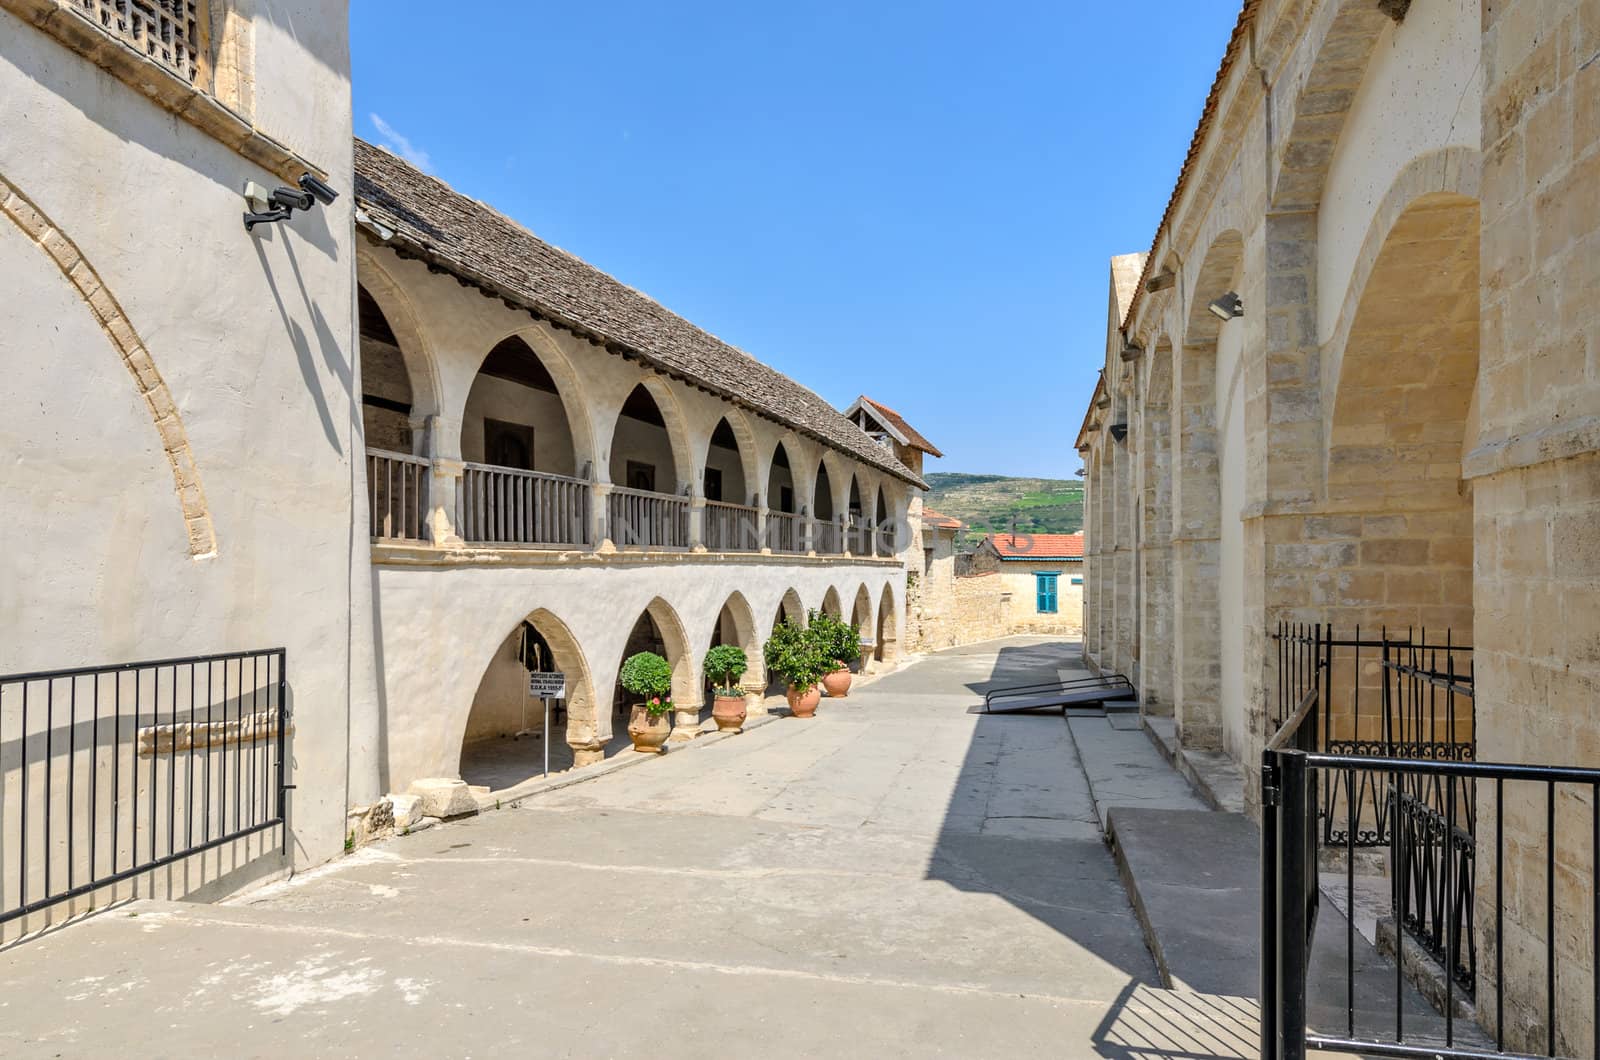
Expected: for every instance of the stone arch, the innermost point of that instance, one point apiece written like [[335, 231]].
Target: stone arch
[[744, 634], [402, 318], [830, 603], [119, 330], [678, 650], [676, 425], [747, 447], [496, 709], [790, 609], [1155, 555], [862, 618], [1343, 34], [886, 644], [571, 390], [1196, 504]]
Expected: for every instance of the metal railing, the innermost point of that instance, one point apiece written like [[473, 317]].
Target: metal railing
[[641, 519], [732, 527], [397, 495], [785, 532], [1292, 772], [509, 506], [109, 772]]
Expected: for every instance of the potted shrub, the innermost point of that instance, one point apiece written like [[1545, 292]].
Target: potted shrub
[[649, 676], [794, 654], [841, 645], [725, 664]]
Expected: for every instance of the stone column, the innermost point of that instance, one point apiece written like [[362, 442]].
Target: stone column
[[599, 520], [762, 543], [697, 523], [685, 721], [442, 445], [586, 751]]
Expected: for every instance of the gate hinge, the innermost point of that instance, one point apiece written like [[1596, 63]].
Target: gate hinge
[[1269, 786]]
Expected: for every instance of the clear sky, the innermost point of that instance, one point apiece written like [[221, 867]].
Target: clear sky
[[912, 200]]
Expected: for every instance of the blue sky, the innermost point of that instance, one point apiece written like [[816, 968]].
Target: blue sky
[[915, 201]]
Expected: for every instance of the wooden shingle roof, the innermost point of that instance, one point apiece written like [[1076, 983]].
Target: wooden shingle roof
[[433, 222]]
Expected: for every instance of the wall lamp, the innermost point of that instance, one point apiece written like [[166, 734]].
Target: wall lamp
[[1228, 306], [1119, 431], [281, 203]]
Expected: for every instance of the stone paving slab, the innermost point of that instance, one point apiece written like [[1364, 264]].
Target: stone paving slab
[[1125, 769]]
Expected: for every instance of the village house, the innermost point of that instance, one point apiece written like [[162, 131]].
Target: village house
[[930, 592], [1038, 576], [312, 459], [1342, 461]]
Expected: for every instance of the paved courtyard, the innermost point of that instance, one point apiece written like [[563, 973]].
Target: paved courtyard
[[897, 877]]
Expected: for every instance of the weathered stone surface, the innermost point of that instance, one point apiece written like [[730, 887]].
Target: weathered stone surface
[[442, 797]]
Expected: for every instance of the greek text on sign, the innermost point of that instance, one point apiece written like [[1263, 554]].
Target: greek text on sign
[[547, 686]]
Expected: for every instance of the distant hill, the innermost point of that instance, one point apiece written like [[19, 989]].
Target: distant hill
[[988, 503]]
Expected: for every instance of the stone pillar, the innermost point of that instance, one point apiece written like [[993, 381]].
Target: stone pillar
[[442, 493], [762, 543], [697, 523], [586, 751], [685, 721], [599, 521]]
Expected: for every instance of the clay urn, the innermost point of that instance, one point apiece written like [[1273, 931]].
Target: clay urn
[[649, 734], [803, 704], [837, 682], [728, 712]]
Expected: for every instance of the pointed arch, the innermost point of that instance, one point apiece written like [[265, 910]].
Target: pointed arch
[[732, 432], [660, 396], [737, 614], [401, 317], [830, 603], [886, 644], [98, 300]]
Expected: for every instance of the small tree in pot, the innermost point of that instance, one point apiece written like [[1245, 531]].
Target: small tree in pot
[[648, 676], [840, 645], [724, 665], [795, 654]]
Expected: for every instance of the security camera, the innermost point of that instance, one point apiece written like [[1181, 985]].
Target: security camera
[[324, 194], [289, 199]]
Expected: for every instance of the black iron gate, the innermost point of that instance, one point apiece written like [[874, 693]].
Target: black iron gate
[[109, 772]]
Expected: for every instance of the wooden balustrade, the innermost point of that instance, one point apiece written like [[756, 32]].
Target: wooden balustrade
[[508, 506], [828, 538], [641, 519], [785, 532], [397, 495], [732, 527]]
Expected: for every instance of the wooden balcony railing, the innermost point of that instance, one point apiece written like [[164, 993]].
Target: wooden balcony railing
[[858, 537], [641, 519], [885, 540], [508, 506], [785, 532], [732, 527], [828, 538], [397, 495]]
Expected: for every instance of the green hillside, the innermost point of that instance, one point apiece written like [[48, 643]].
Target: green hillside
[[988, 503]]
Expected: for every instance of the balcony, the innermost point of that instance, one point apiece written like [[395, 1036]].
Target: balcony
[[507, 506], [732, 527], [642, 519]]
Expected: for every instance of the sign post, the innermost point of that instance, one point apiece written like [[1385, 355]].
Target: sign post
[[547, 686]]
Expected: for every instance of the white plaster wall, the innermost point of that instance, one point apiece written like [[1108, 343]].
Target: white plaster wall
[[1230, 566], [440, 627], [1422, 91], [647, 444], [254, 336], [727, 461]]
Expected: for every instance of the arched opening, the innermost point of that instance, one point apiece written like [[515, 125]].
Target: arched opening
[[826, 539], [731, 519], [861, 618], [886, 540], [886, 642], [520, 485], [505, 739], [736, 625], [1400, 515], [792, 611], [783, 521], [397, 488], [646, 509], [830, 603], [1197, 504], [858, 542], [658, 629], [1155, 557]]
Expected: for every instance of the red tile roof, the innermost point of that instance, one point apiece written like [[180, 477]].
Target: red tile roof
[[1037, 546], [898, 422], [939, 519]]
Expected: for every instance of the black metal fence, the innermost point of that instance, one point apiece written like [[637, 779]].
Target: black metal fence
[[1427, 794], [109, 772]]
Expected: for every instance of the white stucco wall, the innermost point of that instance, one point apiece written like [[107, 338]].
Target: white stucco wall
[[254, 337], [1422, 92], [1231, 563], [500, 399]]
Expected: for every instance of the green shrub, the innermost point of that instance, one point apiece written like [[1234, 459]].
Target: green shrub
[[725, 664], [649, 676], [794, 654], [839, 642]]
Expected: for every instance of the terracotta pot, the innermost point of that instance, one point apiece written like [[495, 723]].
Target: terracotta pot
[[803, 704], [837, 683], [647, 733], [728, 713]]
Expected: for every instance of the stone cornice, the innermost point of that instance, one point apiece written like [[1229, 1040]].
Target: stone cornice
[[388, 555]]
